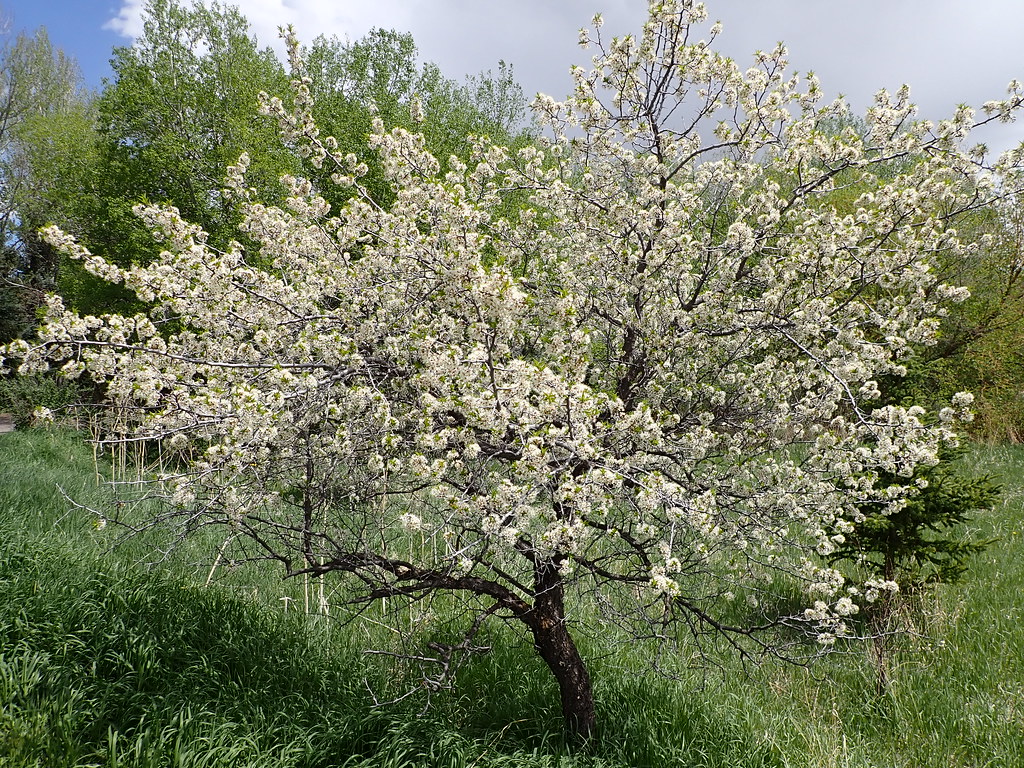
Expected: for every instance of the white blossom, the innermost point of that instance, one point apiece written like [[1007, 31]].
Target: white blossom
[[637, 353]]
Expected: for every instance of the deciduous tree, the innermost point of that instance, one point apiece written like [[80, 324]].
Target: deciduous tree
[[644, 394], [38, 85]]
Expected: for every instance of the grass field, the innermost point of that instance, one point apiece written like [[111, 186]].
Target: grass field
[[109, 660]]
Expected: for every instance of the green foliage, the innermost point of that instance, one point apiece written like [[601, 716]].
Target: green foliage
[[36, 81], [105, 663], [380, 75], [17, 313], [21, 395], [923, 543], [177, 112], [59, 156], [179, 109], [982, 349], [39, 87]]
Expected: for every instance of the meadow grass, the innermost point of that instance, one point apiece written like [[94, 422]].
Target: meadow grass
[[112, 657]]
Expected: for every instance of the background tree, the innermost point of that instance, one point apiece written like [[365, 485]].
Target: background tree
[[38, 86], [982, 342], [650, 389], [380, 76], [179, 109]]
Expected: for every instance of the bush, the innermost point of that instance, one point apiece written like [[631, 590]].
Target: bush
[[21, 395]]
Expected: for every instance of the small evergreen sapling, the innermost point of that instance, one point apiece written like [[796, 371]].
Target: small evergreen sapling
[[917, 545], [920, 545]]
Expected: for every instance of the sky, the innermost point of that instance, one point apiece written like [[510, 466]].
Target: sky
[[949, 51]]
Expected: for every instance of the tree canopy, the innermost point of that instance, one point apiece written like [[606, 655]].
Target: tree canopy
[[39, 85], [180, 108]]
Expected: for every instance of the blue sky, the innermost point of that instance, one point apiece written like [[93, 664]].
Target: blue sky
[[73, 25], [949, 51]]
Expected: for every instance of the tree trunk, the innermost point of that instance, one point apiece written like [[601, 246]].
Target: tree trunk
[[555, 645]]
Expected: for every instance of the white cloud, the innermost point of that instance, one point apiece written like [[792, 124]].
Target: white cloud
[[128, 21]]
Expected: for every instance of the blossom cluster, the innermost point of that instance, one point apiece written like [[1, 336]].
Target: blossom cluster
[[656, 371]]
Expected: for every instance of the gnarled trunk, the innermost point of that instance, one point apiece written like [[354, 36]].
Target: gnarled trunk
[[554, 643]]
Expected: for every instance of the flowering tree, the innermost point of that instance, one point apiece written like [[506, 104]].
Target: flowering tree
[[638, 394]]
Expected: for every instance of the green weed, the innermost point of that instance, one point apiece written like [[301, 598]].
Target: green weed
[[110, 656]]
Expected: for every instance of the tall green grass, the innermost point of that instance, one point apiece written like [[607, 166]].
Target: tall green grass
[[110, 659]]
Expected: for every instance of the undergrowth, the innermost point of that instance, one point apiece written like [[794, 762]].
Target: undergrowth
[[110, 656]]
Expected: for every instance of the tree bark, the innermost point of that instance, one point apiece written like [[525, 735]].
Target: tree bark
[[555, 645]]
